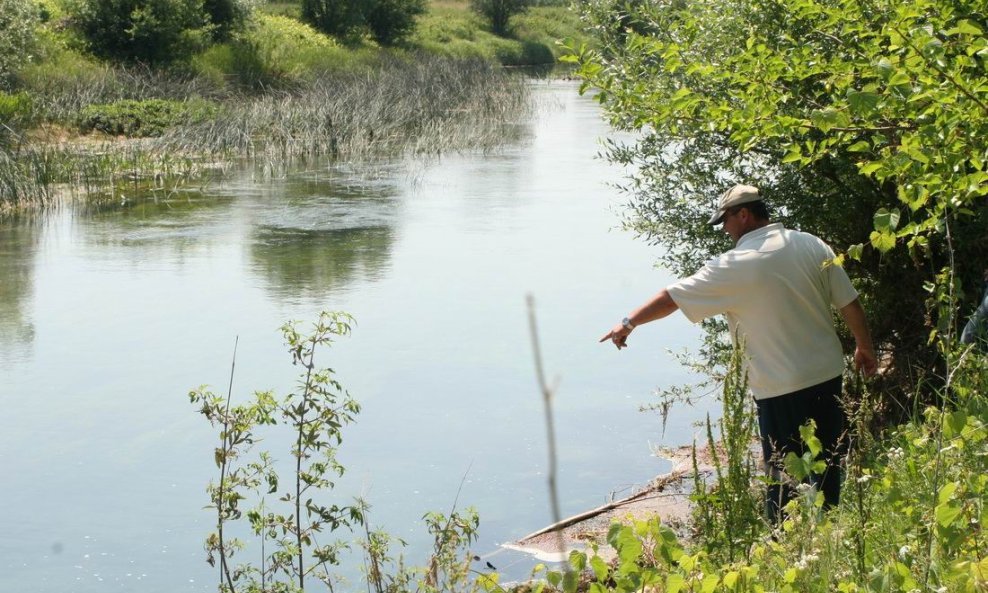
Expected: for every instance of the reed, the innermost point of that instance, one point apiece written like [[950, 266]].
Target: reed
[[428, 105], [421, 105]]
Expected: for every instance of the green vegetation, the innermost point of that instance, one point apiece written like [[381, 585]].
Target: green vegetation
[[191, 71], [861, 121], [498, 13], [139, 119], [910, 518], [18, 36], [287, 530], [865, 123], [145, 31]]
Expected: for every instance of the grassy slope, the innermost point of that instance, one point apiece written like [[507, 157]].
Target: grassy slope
[[450, 28]]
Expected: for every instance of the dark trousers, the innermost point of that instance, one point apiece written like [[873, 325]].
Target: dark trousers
[[779, 419]]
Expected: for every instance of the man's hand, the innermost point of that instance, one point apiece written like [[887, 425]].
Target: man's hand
[[618, 335], [865, 361]]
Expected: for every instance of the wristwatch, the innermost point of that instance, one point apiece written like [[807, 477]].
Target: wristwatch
[[627, 324]]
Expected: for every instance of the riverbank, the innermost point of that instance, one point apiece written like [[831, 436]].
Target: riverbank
[[75, 125]]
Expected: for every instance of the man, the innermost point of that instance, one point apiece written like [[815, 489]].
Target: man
[[776, 289]]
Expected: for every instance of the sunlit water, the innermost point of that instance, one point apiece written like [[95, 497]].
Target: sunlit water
[[108, 318]]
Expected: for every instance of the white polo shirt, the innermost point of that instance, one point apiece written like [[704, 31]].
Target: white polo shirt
[[776, 288]]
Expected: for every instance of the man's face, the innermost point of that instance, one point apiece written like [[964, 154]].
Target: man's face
[[735, 223]]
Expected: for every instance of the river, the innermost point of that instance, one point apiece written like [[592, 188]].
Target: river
[[109, 316]]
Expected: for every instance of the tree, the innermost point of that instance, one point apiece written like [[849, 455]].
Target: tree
[[498, 12], [864, 121], [145, 31], [18, 23], [391, 21], [339, 18]]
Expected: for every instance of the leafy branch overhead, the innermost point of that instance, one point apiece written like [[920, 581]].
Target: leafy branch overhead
[[897, 88]]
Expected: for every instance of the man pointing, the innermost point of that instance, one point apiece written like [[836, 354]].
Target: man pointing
[[776, 288]]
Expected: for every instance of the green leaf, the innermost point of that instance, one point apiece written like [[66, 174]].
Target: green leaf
[[859, 146], [855, 251], [599, 568], [886, 220], [882, 241], [965, 27], [947, 513], [828, 119], [869, 168], [709, 583], [807, 433], [946, 492], [571, 580], [863, 103], [674, 582]]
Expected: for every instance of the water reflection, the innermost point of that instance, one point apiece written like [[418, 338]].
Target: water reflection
[[328, 227], [301, 263], [20, 237], [177, 219]]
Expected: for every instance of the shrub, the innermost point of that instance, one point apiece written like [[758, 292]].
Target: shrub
[[498, 12], [18, 21], [340, 18], [226, 17], [146, 31], [15, 112], [143, 118], [274, 51], [391, 21]]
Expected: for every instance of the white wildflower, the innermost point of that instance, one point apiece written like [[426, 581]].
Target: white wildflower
[[903, 552], [865, 479], [896, 453]]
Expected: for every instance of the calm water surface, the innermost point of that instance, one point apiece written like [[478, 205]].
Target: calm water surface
[[109, 317]]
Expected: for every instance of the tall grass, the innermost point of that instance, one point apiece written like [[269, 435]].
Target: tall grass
[[428, 105], [401, 106]]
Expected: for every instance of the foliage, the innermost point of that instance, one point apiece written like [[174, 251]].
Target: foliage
[[16, 110], [727, 517], [862, 121], [145, 31], [316, 414], [150, 117], [911, 520], [392, 21], [18, 37], [343, 19], [226, 17], [497, 13]]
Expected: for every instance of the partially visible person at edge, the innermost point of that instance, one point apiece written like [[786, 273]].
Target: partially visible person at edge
[[776, 289], [976, 329]]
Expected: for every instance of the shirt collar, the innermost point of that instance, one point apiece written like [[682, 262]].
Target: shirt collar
[[758, 234]]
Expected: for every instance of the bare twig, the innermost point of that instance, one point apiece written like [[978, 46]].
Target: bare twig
[[547, 393]]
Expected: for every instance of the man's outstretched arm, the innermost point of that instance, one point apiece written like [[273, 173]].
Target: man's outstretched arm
[[864, 351], [661, 305]]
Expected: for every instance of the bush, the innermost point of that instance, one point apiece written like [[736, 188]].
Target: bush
[[340, 18], [273, 51], [498, 12], [18, 22], [143, 118], [16, 111], [226, 17], [391, 21], [146, 31]]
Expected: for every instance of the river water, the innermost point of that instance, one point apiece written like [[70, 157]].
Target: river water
[[109, 316]]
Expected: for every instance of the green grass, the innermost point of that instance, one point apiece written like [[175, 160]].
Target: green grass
[[451, 28]]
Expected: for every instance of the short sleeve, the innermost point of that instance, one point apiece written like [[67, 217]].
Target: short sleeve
[[842, 293], [707, 293]]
